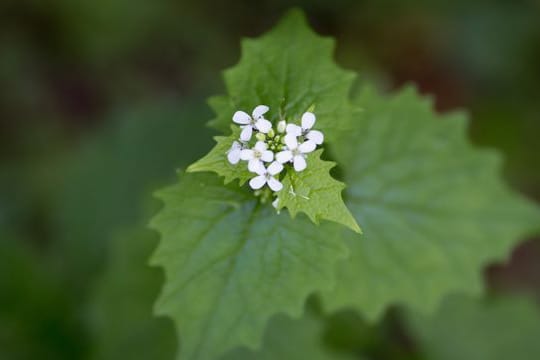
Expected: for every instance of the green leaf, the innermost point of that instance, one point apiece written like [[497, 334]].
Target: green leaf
[[314, 192], [216, 160], [123, 324], [291, 69], [466, 329], [290, 339], [433, 209], [231, 263]]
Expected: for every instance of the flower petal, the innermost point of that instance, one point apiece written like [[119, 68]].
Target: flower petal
[[241, 117], [291, 141], [308, 120], [247, 154], [275, 168], [259, 111], [293, 130], [267, 156], [299, 163], [236, 145], [284, 156], [256, 166], [274, 184], [307, 147], [261, 146], [257, 182], [263, 125], [234, 156], [316, 136], [246, 133]]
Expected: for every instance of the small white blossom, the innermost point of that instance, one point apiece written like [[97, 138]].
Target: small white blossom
[[233, 155], [308, 120], [267, 176], [256, 156], [295, 152], [255, 121]]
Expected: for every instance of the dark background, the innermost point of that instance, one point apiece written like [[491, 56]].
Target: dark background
[[101, 101]]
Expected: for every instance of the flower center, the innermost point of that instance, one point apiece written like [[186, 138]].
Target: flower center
[[274, 142], [257, 154], [296, 152]]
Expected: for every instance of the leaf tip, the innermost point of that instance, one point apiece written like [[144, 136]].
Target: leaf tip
[[356, 228]]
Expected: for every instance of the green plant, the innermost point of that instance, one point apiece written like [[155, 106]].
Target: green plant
[[432, 208]]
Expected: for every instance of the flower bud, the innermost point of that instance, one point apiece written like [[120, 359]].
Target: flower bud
[[282, 125], [260, 137], [275, 204], [271, 133]]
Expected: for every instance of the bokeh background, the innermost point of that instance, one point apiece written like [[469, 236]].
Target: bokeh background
[[102, 101]]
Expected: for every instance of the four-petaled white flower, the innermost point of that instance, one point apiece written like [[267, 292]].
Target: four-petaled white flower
[[308, 120], [257, 155], [233, 155], [295, 152], [255, 121], [267, 176]]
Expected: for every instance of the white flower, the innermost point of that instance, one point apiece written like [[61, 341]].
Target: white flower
[[256, 156], [267, 176], [295, 152], [255, 121], [233, 155], [308, 120]]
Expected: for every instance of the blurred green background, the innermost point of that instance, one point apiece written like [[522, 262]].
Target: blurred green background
[[102, 101]]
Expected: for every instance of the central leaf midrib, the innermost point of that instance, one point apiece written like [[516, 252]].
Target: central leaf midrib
[[230, 269]]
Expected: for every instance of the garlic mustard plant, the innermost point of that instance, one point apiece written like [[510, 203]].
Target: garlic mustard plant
[[429, 229]]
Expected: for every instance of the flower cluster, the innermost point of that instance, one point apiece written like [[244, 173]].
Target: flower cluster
[[268, 151]]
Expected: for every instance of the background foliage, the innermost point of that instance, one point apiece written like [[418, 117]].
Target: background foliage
[[101, 102]]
